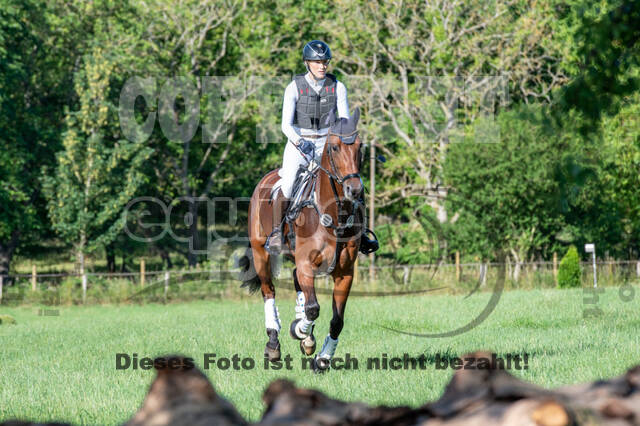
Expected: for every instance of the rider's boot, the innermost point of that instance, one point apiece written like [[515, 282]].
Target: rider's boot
[[275, 240]]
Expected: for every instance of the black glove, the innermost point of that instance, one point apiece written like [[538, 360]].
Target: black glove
[[306, 146]]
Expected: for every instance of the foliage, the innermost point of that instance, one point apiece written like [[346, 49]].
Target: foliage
[[569, 271], [97, 174], [607, 55], [504, 191], [35, 84], [477, 163]]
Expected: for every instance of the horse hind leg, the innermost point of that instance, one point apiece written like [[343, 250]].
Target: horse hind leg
[[271, 316], [272, 324]]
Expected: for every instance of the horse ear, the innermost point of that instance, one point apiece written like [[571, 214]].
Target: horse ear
[[355, 117], [331, 118]]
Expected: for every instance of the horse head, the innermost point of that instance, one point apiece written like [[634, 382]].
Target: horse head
[[344, 152]]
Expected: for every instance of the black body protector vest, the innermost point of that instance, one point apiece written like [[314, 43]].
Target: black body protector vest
[[312, 109]]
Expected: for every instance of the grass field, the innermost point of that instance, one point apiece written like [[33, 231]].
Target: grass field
[[63, 367]]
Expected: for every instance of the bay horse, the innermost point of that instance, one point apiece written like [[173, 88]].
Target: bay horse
[[327, 239]]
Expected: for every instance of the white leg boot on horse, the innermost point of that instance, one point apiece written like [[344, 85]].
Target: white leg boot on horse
[[276, 239], [272, 324], [323, 359], [302, 328], [299, 305]]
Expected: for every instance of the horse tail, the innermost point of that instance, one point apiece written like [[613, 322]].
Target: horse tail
[[248, 274]]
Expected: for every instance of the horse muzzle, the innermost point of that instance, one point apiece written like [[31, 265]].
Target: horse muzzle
[[352, 188]]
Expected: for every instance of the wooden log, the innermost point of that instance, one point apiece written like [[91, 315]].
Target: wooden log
[[182, 395]]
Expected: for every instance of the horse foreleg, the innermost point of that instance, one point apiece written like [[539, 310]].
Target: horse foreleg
[[307, 310], [342, 286], [299, 309]]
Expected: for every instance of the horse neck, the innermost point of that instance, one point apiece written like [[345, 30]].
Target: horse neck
[[325, 192]]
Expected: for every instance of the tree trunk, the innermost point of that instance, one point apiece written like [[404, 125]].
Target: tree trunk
[[6, 253], [124, 269], [111, 258], [502, 265], [5, 260], [80, 257], [164, 254], [193, 234]]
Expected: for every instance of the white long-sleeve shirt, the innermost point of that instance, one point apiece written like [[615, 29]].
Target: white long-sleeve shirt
[[295, 133]]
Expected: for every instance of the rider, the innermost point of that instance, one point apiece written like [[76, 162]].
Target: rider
[[308, 100]]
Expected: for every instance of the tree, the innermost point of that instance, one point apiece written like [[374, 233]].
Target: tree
[[505, 193], [36, 62], [607, 60], [96, 173], [569, 272], [431, 69]]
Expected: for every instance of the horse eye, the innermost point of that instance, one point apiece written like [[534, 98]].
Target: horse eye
[[335, 148]]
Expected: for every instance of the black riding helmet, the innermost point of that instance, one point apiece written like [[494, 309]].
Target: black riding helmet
[[316, 50]]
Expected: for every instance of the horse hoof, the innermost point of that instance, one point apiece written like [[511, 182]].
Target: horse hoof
[[321, 365], [292, 329], [308, 345], [272, 354]]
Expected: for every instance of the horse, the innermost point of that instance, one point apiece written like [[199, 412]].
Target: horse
[[327, 239]]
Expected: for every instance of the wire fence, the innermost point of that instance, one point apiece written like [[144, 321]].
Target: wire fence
[[385, 280]]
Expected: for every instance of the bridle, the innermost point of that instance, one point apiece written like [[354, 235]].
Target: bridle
[[335, 177]]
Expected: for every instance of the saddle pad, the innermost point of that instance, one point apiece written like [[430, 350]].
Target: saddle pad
[[276, 186]]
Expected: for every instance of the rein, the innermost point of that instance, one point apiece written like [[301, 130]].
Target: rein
[[336, 177]]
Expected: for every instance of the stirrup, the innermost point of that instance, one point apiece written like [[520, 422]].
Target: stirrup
[[368, 246], [271, 249]]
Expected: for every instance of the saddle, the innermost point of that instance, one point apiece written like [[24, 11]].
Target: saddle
[[303, 195]]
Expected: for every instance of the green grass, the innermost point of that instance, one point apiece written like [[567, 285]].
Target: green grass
[[63, 367]]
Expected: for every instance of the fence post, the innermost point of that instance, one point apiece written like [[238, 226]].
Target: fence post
[[457, 266], [555, 268], [84, 288], [638, 268], [405, 275], [1, 284], [166, 284], [142, 273], [610, 269], [34, 277], [485, 270]]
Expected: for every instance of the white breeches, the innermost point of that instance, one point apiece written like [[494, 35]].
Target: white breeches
[[292, 159]]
